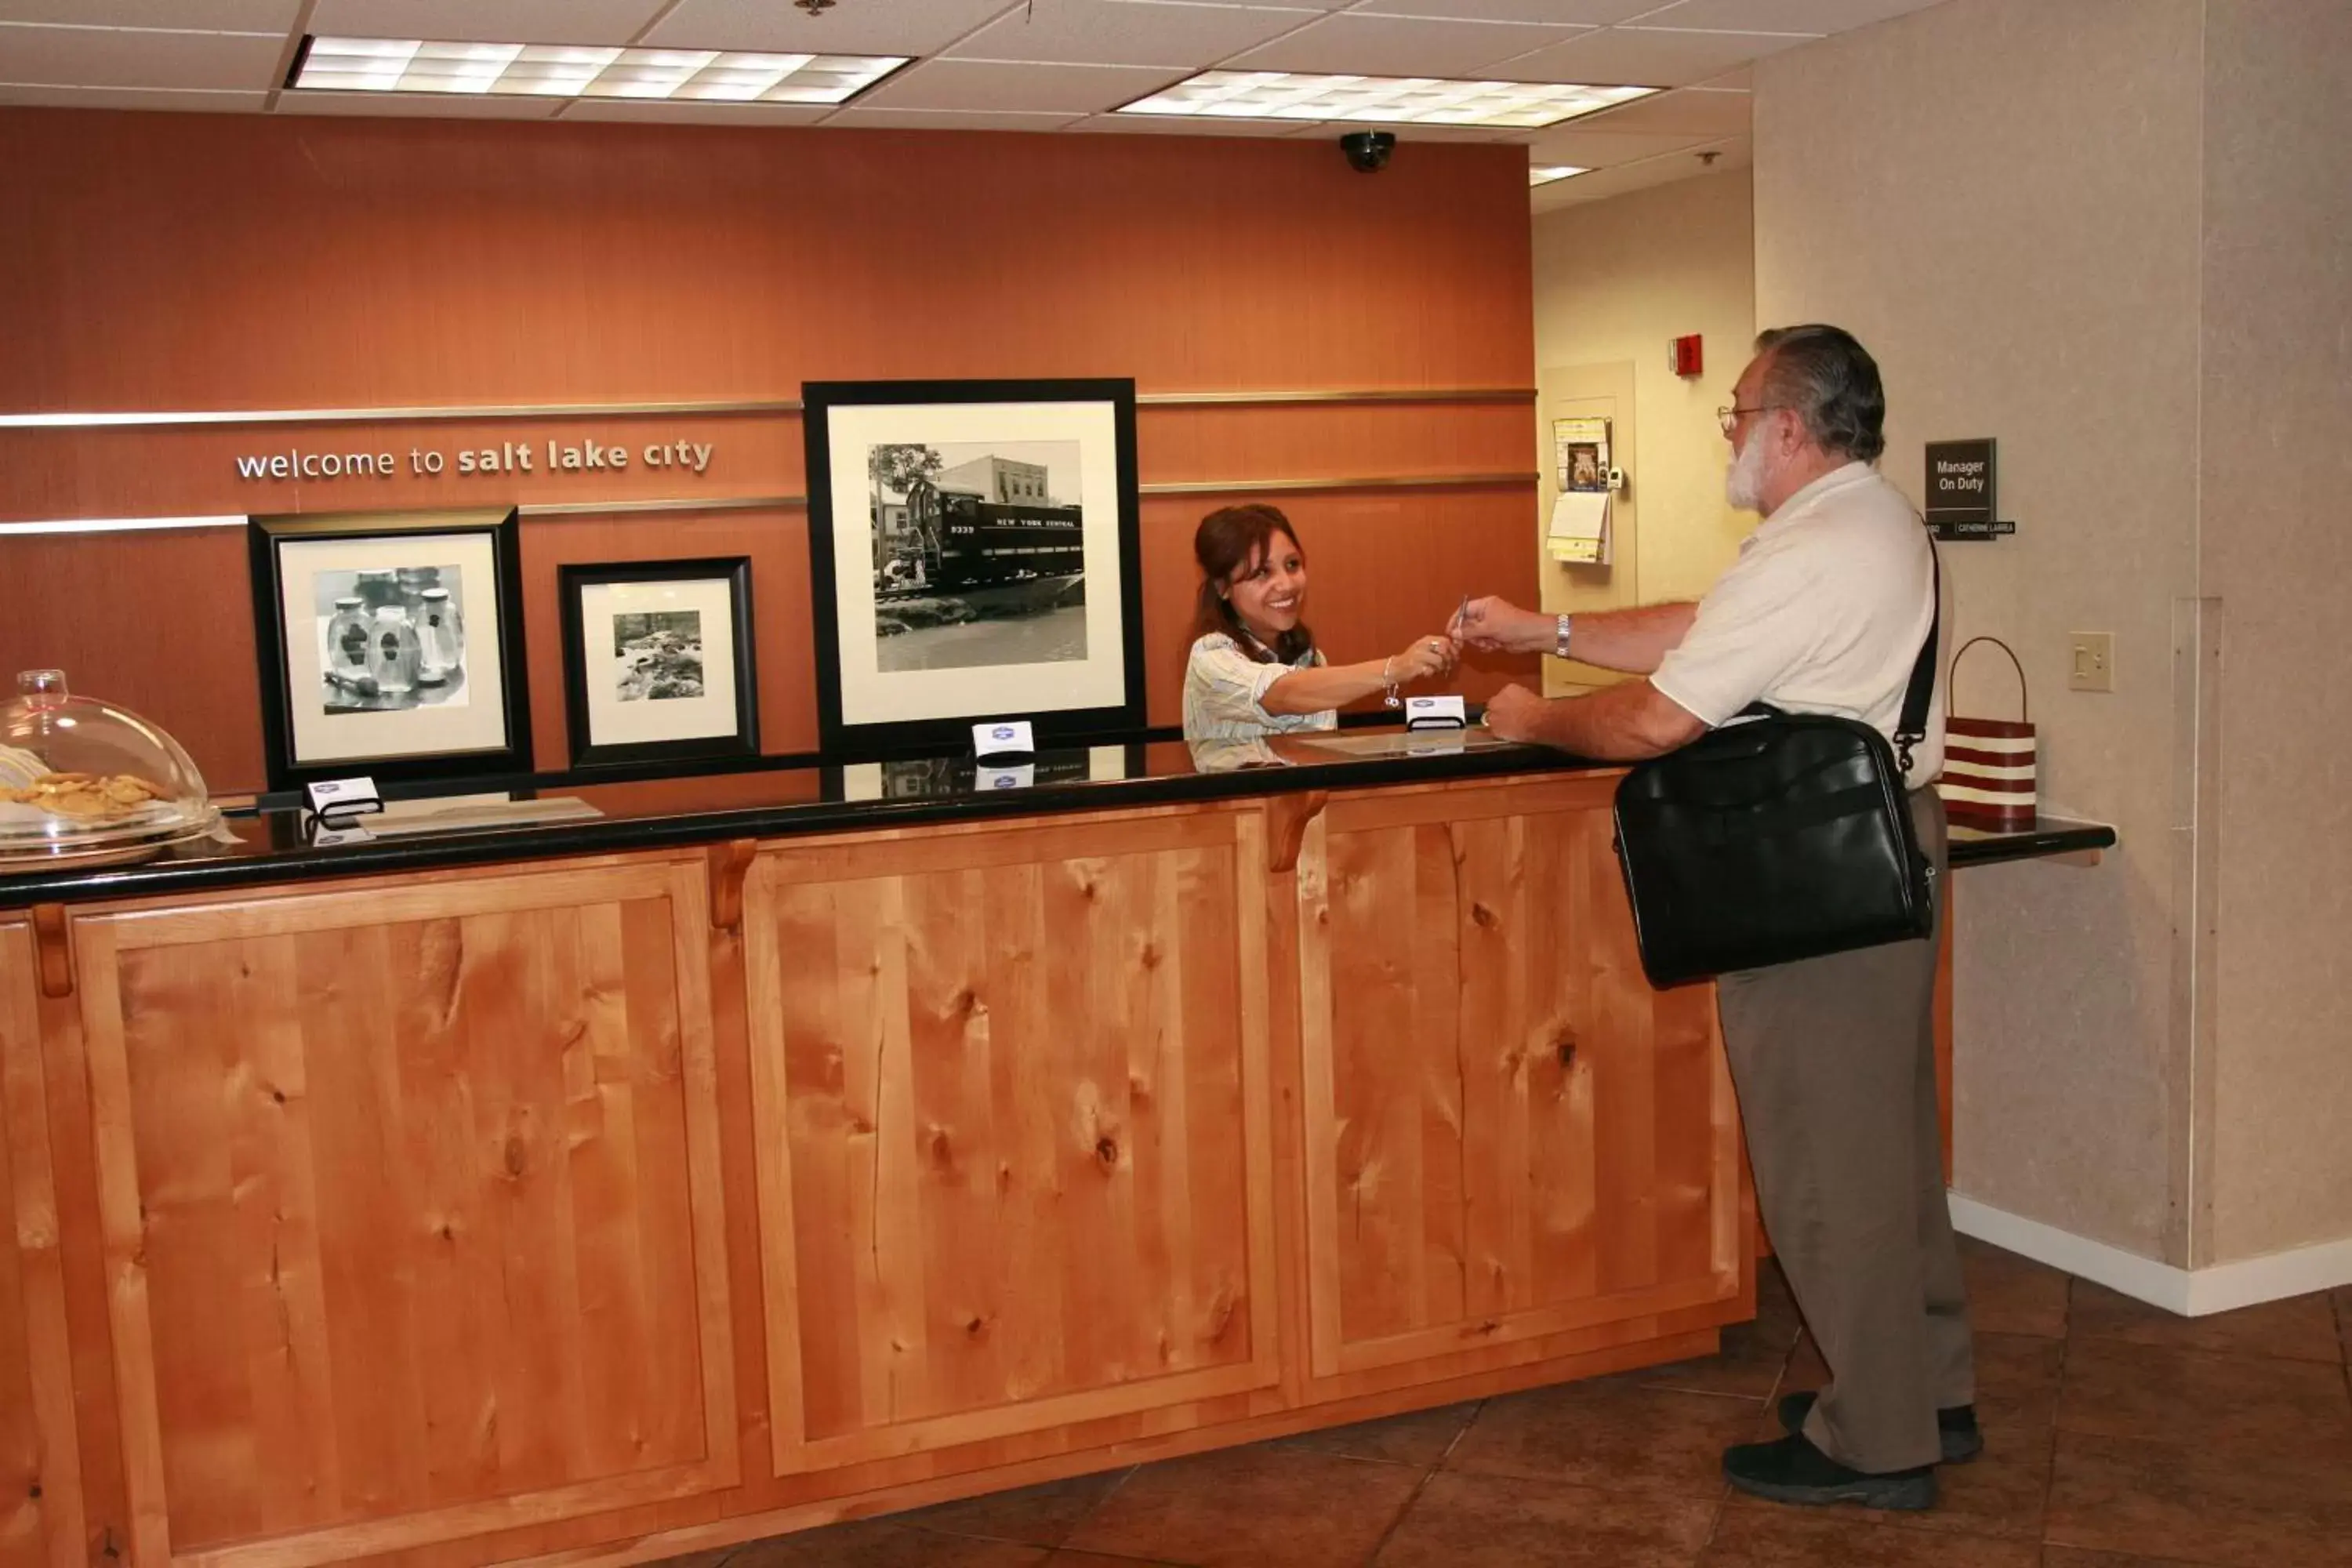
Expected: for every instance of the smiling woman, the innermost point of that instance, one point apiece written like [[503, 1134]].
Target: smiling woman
[[1254, 669]]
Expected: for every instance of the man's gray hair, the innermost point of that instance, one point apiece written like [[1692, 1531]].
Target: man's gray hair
[[1832, 383]]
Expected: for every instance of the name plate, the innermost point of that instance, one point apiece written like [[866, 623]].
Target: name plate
[[1435, 713], [1007, 738]]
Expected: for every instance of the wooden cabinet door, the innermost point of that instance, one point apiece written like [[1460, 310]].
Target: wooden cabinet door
[[1010, 1093], [40, 1486], [410, 1197], [1507, 1132]]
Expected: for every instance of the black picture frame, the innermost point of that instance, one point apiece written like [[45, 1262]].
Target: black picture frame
[[1110, 406], [269, 538], [742, 743]]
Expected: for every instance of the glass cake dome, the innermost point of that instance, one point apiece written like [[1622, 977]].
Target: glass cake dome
[[82, 779]]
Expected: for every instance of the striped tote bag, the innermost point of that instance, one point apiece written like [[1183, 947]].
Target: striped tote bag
[[1987, 778]]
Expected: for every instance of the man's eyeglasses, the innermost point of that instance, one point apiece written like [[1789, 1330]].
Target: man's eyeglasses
[[1728, 417]]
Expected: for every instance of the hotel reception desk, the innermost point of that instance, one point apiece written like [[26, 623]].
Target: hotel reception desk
[[643, 1167]]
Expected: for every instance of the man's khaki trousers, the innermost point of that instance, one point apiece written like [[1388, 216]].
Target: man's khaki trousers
[[1834, 1061]]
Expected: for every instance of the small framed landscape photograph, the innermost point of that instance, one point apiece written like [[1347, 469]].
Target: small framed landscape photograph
[[973, 555], [657, 661], [390, 645]]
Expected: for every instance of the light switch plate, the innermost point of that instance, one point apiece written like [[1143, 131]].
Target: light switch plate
[[2089, 661]]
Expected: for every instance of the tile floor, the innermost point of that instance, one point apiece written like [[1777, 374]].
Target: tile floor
[[2117, 1436]]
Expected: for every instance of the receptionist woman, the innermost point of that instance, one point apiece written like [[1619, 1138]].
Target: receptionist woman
[[1254, 670]]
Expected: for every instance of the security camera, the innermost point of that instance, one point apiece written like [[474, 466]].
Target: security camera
[[1368, 151]]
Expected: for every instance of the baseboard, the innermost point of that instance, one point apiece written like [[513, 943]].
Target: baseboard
[[2191, 1293]]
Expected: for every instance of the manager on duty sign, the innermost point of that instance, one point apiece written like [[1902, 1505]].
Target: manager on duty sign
[[1959, 491]]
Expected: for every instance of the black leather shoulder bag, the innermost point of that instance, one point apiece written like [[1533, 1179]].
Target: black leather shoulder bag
[[1784, 836]]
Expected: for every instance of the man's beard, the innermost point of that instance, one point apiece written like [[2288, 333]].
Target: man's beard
[[1743, 481]]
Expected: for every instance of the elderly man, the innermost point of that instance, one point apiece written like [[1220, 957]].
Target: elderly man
[[1824, 612]]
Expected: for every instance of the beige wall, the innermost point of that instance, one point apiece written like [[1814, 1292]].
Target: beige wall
[[2276, 549], [2001, 198], [1616, 280]]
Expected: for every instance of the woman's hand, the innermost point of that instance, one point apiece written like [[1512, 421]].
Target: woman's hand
[[1421, 660], [1494, 623]]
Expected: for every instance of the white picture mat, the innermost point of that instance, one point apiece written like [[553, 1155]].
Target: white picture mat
[[613, 723], [872, 696], [317, 736]]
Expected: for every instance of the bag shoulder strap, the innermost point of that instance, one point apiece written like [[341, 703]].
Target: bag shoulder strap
[[1912, 727]]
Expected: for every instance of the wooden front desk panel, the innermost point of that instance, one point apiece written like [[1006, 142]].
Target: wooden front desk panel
[[620, 1207]]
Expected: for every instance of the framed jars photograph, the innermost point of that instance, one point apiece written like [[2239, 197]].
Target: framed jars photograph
[[390, 645], [657, 661], [973, 555]]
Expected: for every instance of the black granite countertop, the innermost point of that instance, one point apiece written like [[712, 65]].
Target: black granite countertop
[[551, 816]]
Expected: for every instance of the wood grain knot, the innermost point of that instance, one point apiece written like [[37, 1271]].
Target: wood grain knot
[[1107, 1150], [517, 1157], [1149, 957], [34, 1492], [448, 1232], [943, 1151], [1565, 1048], [976, 1328], [1482, 917], [278, 1096]]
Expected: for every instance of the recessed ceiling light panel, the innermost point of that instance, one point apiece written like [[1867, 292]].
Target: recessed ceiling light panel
[[571, 70], [1547, 173], [1389, 101]]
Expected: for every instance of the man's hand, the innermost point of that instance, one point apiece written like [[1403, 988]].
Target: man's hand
[[1494, 623], [1512, 712]]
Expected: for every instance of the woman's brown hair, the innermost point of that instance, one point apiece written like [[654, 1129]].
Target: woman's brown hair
[[1228, 540]]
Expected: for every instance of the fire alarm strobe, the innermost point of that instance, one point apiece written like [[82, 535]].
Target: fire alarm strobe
[[1684, 355]]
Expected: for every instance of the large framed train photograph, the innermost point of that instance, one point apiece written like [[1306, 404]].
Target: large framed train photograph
[[979, 541]]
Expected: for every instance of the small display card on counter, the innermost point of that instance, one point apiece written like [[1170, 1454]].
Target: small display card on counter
[[1020, 776], [1435, 713], [1005, 738], [335, 799]]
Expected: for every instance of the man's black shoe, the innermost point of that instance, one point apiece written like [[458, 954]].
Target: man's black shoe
[[1956, 1427], [1793, 1471]]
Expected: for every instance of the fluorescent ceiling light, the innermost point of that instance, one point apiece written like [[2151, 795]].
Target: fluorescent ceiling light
[[569, 70], [1390, 101], [1546, 174]]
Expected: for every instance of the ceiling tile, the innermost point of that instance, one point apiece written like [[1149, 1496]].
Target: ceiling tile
[[856, 27], [1601, 149], [696, 112], [944, 120], [1186, 125], [1400, 46], [186, 16], [1651, 56], [1029, 89], [1603, 184], [1334, 129], [487, 21], [1781, 16], [110, 56], [1741, 80], [1129, 32], [419, 105], [1693, 110], [1584, 13], [180, 99]]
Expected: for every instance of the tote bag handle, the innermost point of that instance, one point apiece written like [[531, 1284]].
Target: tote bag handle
[[2023, 717]]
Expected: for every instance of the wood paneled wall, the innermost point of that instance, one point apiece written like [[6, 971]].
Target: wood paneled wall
[[165, 262]]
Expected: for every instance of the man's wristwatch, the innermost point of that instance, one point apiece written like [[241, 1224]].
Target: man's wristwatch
[[1559, 639]]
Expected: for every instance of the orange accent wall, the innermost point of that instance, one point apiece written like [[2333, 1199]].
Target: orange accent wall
[[201, 262]]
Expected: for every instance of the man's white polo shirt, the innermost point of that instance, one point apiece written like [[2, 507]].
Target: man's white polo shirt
[[1824, 612]]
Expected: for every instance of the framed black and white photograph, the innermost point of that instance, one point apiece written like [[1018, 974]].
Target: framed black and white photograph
[[390, 644], [974, 556], [657, 663]]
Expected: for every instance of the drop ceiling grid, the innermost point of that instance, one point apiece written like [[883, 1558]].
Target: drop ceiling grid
[[1039, 65]]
